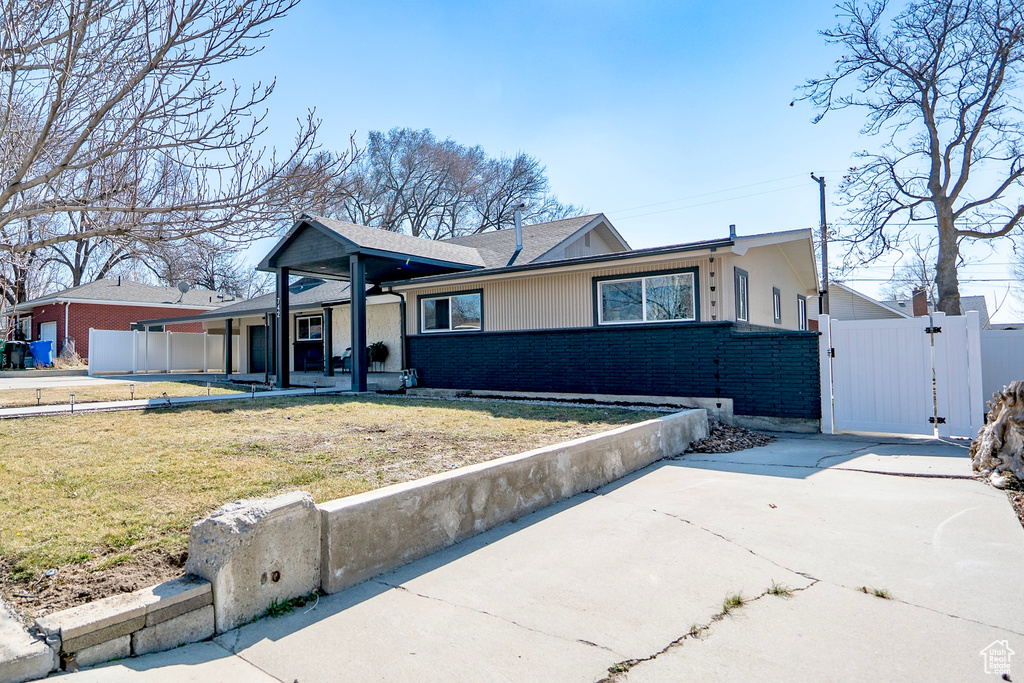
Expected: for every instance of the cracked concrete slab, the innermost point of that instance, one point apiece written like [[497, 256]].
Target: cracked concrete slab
[[373, 632], [829, 633], [612, 573], [946, 544]]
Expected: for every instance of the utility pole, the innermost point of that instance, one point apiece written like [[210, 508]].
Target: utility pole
[[824, 246]]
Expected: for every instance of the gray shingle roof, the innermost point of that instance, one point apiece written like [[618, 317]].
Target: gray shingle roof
[[127, 291], [497, 246], [402, 245], [303, 293]]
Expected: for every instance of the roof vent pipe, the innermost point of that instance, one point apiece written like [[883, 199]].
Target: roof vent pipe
[[118, 280], [732, 231], [518, 217]]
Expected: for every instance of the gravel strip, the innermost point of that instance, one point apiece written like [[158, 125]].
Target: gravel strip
[[724, 438]]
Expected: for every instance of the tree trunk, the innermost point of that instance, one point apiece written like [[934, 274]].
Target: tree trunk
[[946, 281], [998, 452]]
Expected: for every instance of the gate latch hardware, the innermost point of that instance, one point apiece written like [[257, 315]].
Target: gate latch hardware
[[932, 330], [937, 420], [832, 352]]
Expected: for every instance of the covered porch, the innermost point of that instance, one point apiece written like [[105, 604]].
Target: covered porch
[[364, 258]]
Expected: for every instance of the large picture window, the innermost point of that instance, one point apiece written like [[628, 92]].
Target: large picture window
[[309, 328], [652, 298], [451, 313]]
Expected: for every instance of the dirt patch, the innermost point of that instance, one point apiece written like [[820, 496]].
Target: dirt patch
[[723, 438], [1017, 501], [78, 584]]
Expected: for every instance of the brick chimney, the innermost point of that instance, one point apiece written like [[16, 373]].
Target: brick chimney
[[920, 301]]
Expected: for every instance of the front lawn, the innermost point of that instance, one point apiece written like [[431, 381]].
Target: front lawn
[[100, 490]]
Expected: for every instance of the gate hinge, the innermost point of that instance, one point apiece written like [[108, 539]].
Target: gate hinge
[[937, 420], [832, 352], [932, 330]]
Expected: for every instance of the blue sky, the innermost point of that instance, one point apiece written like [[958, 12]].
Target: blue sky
[[673, 118]]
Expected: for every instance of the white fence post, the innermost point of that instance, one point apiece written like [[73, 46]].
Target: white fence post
[[168, 339], [206, 351], [90, 348], [940, 363], [825, 369], [975, 380]]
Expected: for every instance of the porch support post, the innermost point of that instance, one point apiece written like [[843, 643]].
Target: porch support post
[[283, 328], [328, 342], [357, 295], [271, 345], [227, 347]]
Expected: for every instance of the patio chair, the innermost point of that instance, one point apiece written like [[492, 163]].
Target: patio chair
[[344, 361]]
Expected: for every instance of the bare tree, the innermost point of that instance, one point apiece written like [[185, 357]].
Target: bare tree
[[409, 181], [915, 271], [938, 82], [115, 123]]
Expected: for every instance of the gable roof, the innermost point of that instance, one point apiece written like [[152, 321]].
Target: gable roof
[[374, 241], [497, 247], [124, 291]]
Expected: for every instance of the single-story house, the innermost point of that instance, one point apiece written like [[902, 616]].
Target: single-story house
[[845, 303], [849, 304], [65, 317], [566, 307]]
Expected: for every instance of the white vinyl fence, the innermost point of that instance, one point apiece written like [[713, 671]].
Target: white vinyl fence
[[904, 376], [124, 352], [1002, 359]]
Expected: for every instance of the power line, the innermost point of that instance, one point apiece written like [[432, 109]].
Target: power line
[[707, 194], [714, 201]]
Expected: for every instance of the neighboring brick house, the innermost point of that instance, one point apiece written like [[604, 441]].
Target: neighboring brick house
[[114, 304]]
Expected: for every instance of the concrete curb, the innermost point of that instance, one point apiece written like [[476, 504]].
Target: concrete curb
[[151, 403]]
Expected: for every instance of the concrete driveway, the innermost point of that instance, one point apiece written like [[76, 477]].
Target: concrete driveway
[[631, 579]]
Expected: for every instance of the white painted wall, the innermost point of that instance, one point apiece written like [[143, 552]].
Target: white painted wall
[[383, 323]]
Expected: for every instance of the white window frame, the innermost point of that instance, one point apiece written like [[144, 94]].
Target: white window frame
[[801, 312], [643, 299], [450, 328], [742, 298], [307, 338], [777, 305]]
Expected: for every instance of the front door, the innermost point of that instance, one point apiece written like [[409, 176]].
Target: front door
[[48, 331], [257, 348]]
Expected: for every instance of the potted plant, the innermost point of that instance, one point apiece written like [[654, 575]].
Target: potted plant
[[377, 352]]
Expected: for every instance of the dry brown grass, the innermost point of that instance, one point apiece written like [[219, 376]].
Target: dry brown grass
[[94, 393], [107, 487]]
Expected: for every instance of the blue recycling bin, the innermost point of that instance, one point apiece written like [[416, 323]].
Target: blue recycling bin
[[42, 351]]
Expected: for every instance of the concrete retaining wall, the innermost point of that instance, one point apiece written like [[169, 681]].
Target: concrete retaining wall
[[374, 532]]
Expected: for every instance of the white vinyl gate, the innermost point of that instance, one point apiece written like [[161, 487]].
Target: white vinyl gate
[[904, 376]]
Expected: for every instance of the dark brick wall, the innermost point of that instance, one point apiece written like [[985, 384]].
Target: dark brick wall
[[766, 372]]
